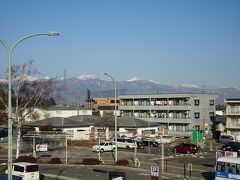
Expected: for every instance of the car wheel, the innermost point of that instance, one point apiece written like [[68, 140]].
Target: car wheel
[[127, 147], [101, 150]]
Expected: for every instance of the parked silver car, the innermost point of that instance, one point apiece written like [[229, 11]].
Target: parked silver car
[[226, 139]]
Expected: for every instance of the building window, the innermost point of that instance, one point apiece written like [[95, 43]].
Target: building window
[[113, 101], [80, 130], [196, 102], [211, 102], [211, 114], [197, 115], [103, 101], [70, 132]]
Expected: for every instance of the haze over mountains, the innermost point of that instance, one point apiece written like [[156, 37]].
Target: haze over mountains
[[74, 89]]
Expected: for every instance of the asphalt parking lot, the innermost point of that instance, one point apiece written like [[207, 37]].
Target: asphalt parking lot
[[202, 163]]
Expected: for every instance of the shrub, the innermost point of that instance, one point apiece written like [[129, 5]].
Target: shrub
[[122, 162], [55, 160], [90, 161], [29, 159], [3, 169]]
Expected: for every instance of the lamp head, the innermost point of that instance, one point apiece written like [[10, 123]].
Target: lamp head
[[53, 33]]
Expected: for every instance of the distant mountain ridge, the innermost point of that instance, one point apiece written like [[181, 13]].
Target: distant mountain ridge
[[76, 88], [73, 90]]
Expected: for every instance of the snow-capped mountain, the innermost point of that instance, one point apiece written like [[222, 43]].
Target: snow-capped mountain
[[78, 87], [134, 79], [87, 77], [74, 89]]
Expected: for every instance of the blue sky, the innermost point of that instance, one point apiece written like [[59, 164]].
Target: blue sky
[[181, 41]]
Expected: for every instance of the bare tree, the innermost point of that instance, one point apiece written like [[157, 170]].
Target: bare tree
[[27, 93]]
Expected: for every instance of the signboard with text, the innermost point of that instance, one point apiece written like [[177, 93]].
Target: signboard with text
[[165, 131], [41, 147]]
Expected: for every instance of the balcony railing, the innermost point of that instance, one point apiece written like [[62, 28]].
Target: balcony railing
[[233, 127], [229, 112], [148, 104]]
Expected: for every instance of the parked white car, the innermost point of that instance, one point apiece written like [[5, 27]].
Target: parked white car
[[25, 170], [104, 146]]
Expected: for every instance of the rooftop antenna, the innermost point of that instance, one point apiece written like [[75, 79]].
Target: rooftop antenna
[[203, 89]]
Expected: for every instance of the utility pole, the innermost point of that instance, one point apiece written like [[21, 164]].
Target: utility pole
[[162, 162], [78, 102]]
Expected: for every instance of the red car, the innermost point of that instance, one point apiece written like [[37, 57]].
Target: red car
[[186, 148]]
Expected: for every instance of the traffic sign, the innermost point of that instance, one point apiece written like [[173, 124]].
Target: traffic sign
[[155, 171]]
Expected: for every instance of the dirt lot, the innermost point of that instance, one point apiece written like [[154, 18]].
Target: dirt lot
[[82, 143]]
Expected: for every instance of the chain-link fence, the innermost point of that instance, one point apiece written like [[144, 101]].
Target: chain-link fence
[[44, 143]]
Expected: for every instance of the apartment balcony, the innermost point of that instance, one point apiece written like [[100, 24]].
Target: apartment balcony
[[233, 127], [152, 108], [167, 120], [233, 113], [180, 133]]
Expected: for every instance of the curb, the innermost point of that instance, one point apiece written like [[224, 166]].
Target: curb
[[59, 177], [118, 167]]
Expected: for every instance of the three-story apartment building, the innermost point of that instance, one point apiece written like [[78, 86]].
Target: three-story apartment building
[[233, 117], [178, 113]]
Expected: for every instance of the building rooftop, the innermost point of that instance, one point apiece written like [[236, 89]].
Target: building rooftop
[[85, 121]]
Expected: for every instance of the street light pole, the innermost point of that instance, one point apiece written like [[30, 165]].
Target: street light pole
[[115, 113], [9, 52]]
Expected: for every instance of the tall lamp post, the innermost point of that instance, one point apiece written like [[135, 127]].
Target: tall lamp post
[[9, 52], [115, 113]]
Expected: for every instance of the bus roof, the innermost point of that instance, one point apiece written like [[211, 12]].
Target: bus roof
[[229, 159]]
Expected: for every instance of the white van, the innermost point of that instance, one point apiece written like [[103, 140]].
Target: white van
[[125, 143], [104, 146], [28, 171]]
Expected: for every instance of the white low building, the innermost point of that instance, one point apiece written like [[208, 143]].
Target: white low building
[[93, 127], [56, 111]]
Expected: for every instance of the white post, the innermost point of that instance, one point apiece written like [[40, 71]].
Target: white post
[[135, 153], [162, 157], [66, 144], [34, 146]]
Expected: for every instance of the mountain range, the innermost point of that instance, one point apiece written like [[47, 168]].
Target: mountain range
[[72, 90]]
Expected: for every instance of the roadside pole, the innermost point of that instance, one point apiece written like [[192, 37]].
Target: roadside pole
[[161, 165], [162, 147], [184, 171], [66, 149], [135, 155], [211, 147], [34, 147]]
